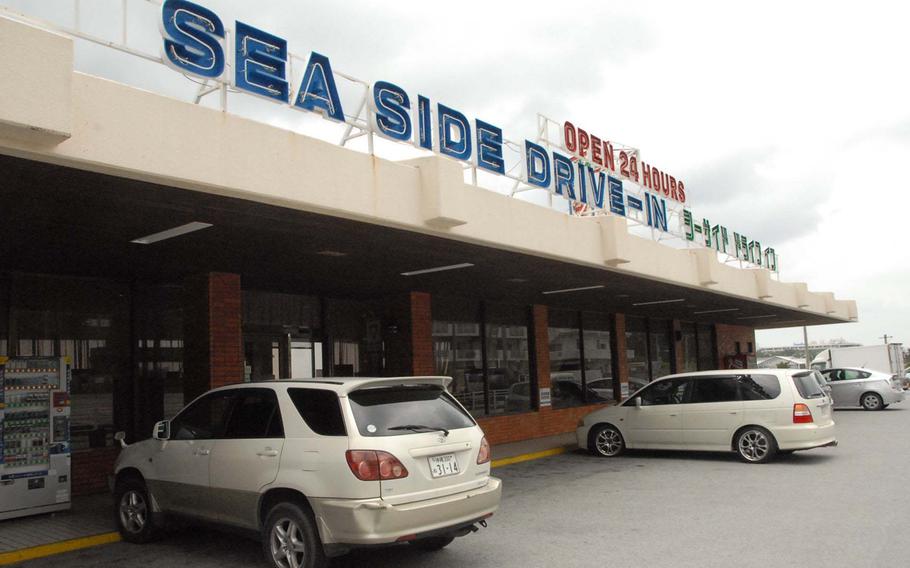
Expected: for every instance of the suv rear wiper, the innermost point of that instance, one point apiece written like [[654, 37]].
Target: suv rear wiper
[[420, 428]]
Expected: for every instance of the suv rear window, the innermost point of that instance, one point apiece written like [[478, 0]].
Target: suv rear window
[[382, 411], [320, 410], [807, 386]]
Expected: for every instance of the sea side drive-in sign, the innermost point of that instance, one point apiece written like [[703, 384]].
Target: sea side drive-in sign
[[590, 173]]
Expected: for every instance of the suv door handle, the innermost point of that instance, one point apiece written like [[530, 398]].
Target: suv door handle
[[268, 453], [202, 452]]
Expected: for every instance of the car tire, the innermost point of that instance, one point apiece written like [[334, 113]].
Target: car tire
[[606, 441], [754, 444], [872, 401], [290, 538], [133, 512], [432, 544]]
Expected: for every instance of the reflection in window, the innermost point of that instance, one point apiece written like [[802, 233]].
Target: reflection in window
[[566, 380], [637, 352], [458, 350], [661, 348], [689, 346], [159, 356], [707, 360], [508, 367], [4, 319], [598, 356], [86, 320]]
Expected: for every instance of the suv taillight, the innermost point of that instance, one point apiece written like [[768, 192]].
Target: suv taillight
[[374, 465], [483, 456], [801, 414]]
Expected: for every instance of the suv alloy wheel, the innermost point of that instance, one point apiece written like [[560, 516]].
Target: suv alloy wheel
[[290, 539]]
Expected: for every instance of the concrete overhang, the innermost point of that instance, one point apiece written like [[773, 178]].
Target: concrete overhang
[[127, 133]]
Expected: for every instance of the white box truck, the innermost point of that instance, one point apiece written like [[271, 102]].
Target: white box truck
[[885, 358]]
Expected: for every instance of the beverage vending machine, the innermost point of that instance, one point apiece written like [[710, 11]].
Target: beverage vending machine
[[34, 436]]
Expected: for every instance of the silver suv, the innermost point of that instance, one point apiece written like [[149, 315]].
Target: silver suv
[[314, 468]]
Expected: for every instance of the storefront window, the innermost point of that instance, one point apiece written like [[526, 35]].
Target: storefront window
[[508, 367], [598, 356], [689, 346], [159, 356], [282, 336], [566, 379], [4, 318], [86, 320], [637, 352], [707, 360], [660, 334], [355, 332], [458, 350]]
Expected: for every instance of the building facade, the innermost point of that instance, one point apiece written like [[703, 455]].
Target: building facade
[[298, 258]]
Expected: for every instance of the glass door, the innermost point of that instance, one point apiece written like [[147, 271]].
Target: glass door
[[305, 359]]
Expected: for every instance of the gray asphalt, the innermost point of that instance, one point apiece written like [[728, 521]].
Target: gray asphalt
[[846, 506]]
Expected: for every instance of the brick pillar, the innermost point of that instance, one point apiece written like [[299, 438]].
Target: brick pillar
[[422, 361], [540, 326], [727, 336], [620, 356], [212, 333], [678, 354]]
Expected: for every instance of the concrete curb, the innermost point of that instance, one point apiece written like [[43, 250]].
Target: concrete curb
[[7, 558]]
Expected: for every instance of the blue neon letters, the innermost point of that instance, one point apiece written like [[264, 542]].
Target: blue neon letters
[[194, 43], [260, 60], [192, 38], [454, 133], [537, 165], [317, 91], [391, 111], [489, 147]]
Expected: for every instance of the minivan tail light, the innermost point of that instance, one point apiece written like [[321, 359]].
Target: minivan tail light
[[801, 414], [375, 465], [483, 456]]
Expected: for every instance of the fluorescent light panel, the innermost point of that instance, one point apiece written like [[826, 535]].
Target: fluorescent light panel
[[574, 289], [757, 317], [659, 302], [437, 269], [171, 233], [717, 311]]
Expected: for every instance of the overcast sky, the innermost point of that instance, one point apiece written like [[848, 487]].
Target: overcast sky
[[788, 121]]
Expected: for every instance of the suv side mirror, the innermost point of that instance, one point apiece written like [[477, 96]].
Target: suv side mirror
[[120, 437], [162, 430], [637, 402]]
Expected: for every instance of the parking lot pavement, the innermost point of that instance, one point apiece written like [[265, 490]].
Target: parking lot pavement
[[832, 507]]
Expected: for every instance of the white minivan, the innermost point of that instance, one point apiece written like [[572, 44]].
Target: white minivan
[[753, 412]]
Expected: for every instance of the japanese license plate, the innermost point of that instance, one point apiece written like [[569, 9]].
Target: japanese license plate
[[441, 466]]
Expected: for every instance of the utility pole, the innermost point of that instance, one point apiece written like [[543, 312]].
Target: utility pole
[[806, 345], [885, 337]]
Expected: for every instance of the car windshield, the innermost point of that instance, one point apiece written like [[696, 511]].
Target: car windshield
[[807, 385], [403, 410]]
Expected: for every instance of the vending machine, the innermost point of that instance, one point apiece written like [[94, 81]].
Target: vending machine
[[34, 436]]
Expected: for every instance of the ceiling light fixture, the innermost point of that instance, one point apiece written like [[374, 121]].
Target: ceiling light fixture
[[659, 302], [437, 269], [517, 280], [332, 253], [717, 311], [574, 289], [171, 233]]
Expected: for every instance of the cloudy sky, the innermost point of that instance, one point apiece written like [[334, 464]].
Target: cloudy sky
[[788, 121]]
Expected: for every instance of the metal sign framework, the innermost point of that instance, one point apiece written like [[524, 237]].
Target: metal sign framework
[[359, 125]]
